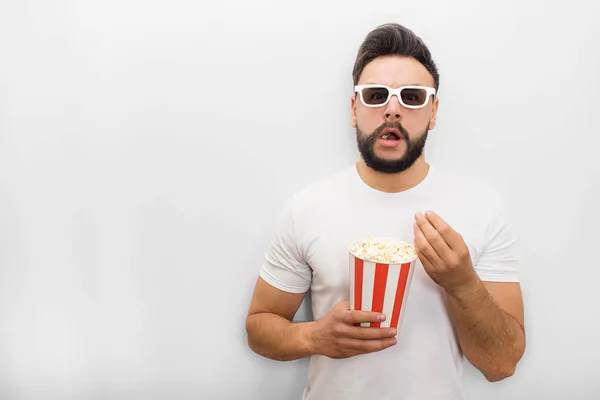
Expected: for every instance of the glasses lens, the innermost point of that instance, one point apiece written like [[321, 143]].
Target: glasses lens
[[414, 97], [375, 95]]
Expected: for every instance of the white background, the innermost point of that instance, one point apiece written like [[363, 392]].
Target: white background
[[146, 149]]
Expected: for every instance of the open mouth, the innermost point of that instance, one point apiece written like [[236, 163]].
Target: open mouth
[[390, 134]]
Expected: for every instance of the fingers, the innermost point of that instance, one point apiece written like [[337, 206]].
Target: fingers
[[427, 254], [368, 333], [450, 236], [351, 317], [348, 339], [344, 305], [424, 260], [367, 346], [348, 328], [432, 237]]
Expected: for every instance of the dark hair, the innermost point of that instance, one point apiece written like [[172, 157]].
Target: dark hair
[[393, 39]]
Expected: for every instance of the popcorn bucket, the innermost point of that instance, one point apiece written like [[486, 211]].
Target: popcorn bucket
[[381, 272]]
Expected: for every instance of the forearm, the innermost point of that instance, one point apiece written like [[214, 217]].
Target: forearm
[[491, 339], [277, 338]]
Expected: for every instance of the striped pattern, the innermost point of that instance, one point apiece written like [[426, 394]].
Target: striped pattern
[[380, 288]]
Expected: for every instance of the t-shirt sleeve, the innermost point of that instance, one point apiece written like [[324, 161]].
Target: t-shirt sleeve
[[284, 266], [499, 261]]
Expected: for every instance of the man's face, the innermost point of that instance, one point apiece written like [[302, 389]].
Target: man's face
[[391, 137]]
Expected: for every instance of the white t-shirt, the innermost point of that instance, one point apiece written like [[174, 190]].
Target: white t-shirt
[[310, 251]]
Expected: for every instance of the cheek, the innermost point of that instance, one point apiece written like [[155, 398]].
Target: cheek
[[369, 119], [416, 124]]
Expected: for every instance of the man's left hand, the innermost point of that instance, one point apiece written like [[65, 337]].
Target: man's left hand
[[443, 252]]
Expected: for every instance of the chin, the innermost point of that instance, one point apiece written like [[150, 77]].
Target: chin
[[390, 155]]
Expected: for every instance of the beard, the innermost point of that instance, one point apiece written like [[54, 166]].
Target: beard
[[366, 147]]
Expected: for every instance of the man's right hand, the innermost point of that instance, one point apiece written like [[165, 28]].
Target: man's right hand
[[335, 335]]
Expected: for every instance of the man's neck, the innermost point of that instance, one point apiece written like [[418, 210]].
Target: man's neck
[[393, 183]]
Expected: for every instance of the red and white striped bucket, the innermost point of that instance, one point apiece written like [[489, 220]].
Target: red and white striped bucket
[[380, 287]]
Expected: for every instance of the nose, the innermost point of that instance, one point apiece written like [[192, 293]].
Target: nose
[[393, 109]]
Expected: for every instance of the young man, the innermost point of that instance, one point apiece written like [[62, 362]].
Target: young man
[[465, 296]]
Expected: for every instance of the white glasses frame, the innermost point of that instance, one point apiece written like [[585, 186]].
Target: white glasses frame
[[359, 89]]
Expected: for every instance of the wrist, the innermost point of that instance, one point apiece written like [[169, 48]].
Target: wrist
[[307, 337], [468, 287]]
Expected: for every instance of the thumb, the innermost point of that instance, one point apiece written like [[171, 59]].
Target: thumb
[[345, 304]]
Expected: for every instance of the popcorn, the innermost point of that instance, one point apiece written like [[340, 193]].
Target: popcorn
[[383, 251]]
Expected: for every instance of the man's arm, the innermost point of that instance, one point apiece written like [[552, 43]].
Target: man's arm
[[271, 332], [488, 316], [490, 325]]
